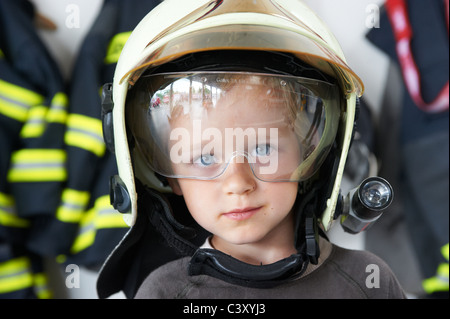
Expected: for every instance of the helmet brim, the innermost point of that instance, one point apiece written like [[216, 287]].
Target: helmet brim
[[258, 33]]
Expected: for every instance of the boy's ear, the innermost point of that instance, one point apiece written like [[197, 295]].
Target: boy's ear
[[173, 183]]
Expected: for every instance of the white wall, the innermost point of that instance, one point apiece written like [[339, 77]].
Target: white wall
[[65, 41]]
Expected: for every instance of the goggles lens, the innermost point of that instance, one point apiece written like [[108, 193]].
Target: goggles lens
[[194, 125]]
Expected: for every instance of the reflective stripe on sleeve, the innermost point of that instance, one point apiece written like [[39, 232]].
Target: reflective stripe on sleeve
[[440, 282], [86, 133], [115, 47], [15, 101], [73, 205], [58, 109], [35, 123], [15, 275], [38, 165], [101, 216], [8, 215], [40, 115], [41, 287]]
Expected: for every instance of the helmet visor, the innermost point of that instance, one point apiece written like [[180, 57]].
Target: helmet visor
[[193, 125], [263, 25]]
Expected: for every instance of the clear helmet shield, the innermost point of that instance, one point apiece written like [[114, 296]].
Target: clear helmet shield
[[193, 125]]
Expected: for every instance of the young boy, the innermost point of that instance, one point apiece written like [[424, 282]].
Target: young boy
[[244, 110]]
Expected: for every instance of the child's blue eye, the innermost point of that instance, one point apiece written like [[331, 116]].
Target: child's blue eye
[[262, 150], [205, 160]]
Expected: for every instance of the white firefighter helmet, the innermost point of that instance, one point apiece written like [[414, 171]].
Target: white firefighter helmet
[[178, 28]]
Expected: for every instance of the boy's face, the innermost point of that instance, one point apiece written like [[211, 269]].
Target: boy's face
[[236, 207]]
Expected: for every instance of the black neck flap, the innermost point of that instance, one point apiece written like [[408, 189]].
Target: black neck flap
[[161, 217]]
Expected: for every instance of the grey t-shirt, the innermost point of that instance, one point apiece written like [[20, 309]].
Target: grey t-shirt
[[340, 273]]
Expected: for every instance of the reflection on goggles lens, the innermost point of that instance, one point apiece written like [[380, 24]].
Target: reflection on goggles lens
[[194, 125]]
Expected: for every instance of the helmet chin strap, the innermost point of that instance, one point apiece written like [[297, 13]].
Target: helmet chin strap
[[216, 264]]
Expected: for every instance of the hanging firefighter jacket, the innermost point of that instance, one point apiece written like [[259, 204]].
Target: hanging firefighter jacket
[[33, 108], [415, 34], [54, 167], [85, 198]]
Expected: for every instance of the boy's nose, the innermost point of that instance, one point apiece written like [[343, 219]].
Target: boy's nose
[[238, 177]]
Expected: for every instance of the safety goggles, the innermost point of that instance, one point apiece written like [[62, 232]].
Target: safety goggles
[[194, 125]]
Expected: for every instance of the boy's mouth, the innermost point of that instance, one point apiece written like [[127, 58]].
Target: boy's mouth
[[242, 214]]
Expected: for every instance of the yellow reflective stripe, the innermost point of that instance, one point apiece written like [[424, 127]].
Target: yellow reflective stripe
[[443, 271], [445, 251], [435, 284], [15, 275], [19, 282], [87, 233], [15, 100], [440, 282], [40, 115], [115, 47], [41, 286], [13, 266], [8, 213], [58, 109], [101, 216], [20, 94], [107, 216], [61, 259], [37, 165], [35, 124], [86, 133], [83, 241], [73, 204]]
